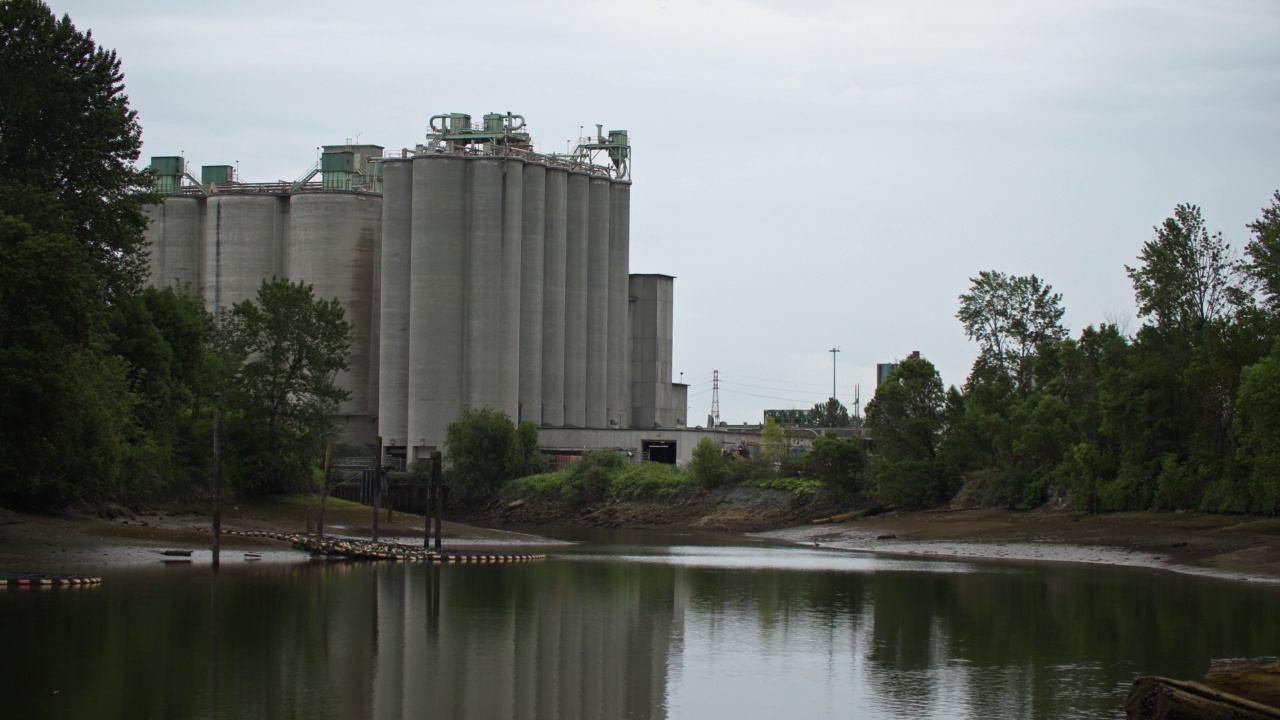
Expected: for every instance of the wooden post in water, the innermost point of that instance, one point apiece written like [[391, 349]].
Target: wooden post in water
[[428, 502], [437, 481], [375, 478], [217, 486], [383, 476], [324, 490]]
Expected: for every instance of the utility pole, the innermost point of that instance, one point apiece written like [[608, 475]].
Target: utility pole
[[833, 352]]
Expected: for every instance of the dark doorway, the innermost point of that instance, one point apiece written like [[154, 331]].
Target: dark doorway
[[663, 451]]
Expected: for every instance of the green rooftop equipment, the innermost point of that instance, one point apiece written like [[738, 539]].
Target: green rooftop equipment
[[217, 174], [168, 171]]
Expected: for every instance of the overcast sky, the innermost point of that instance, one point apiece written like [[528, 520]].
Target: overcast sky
[[815, 174]]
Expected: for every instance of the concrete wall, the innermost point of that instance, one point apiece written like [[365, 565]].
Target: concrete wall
[[633, 439]]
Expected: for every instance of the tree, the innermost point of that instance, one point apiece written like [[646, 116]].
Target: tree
[[70, 238], [1009, 317], [829, 414], [478, 446], [707, 464], [1186, 276], [1263, 266], [69, 141], [837, 462], [1259, 429], [525, 456], [284, 396], [906, 423], [773, 444]]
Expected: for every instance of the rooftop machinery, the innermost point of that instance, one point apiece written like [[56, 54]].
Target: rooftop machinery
[[502, 135], [349, 167]]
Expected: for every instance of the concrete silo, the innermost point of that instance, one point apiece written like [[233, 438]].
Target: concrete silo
[[395, 282], [532, 282], [553, 297], [488, 353], [575, 302], [331, 242], [619, 341], [437, 297], [598, 303], [242, 246], [173, 234]]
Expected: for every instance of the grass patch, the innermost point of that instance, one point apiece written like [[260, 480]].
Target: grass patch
[[650, 479], [797, 486], [552, 484]]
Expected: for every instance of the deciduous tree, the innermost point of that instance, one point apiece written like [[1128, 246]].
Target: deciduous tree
[[285, 395], [1009, 317]]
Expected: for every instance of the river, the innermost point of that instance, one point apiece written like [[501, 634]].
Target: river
[[621, 625]]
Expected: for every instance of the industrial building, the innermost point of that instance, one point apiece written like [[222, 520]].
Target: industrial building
[[476, 271]]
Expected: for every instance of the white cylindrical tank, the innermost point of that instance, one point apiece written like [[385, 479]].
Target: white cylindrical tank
[[553, 297], [575, 303], [598, 303], [619, 394], [242, 240], [173, 238], [331, 241], [393, 338], [532, 277], [437, 298]]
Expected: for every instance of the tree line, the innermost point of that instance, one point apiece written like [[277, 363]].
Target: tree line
[[110, 389], [1184, 414]]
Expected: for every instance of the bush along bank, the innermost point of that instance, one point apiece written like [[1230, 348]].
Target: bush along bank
[[604, 490]]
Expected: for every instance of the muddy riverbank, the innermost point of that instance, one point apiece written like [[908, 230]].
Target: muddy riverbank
[[1237, 547]]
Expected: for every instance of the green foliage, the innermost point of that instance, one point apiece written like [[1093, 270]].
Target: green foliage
[[592, 477], [910, 484], [602, 474], [69, 142], [837, 463], [1185, 275], [71, 226], [773, 446], [1009, 317], [799, 487], [638, 481], [906, 421], [1263, 251], [549, 484], [829, 414], [478, 447], [283, 397], [1258, 428], [525, 457], [707, 465]]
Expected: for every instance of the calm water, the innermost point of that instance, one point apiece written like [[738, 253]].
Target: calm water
[[625, 625]]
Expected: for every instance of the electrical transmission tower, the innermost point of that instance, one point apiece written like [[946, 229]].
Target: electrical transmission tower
[[715, 397]]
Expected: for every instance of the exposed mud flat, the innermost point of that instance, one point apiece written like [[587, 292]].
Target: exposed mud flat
[[1231, 547]]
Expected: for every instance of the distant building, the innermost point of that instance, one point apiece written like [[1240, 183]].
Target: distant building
[[799, 418], [883, 369]]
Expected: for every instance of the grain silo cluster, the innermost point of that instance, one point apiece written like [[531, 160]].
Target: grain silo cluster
[[477, 272]]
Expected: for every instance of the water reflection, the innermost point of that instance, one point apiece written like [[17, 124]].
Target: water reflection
[[632, 630]]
